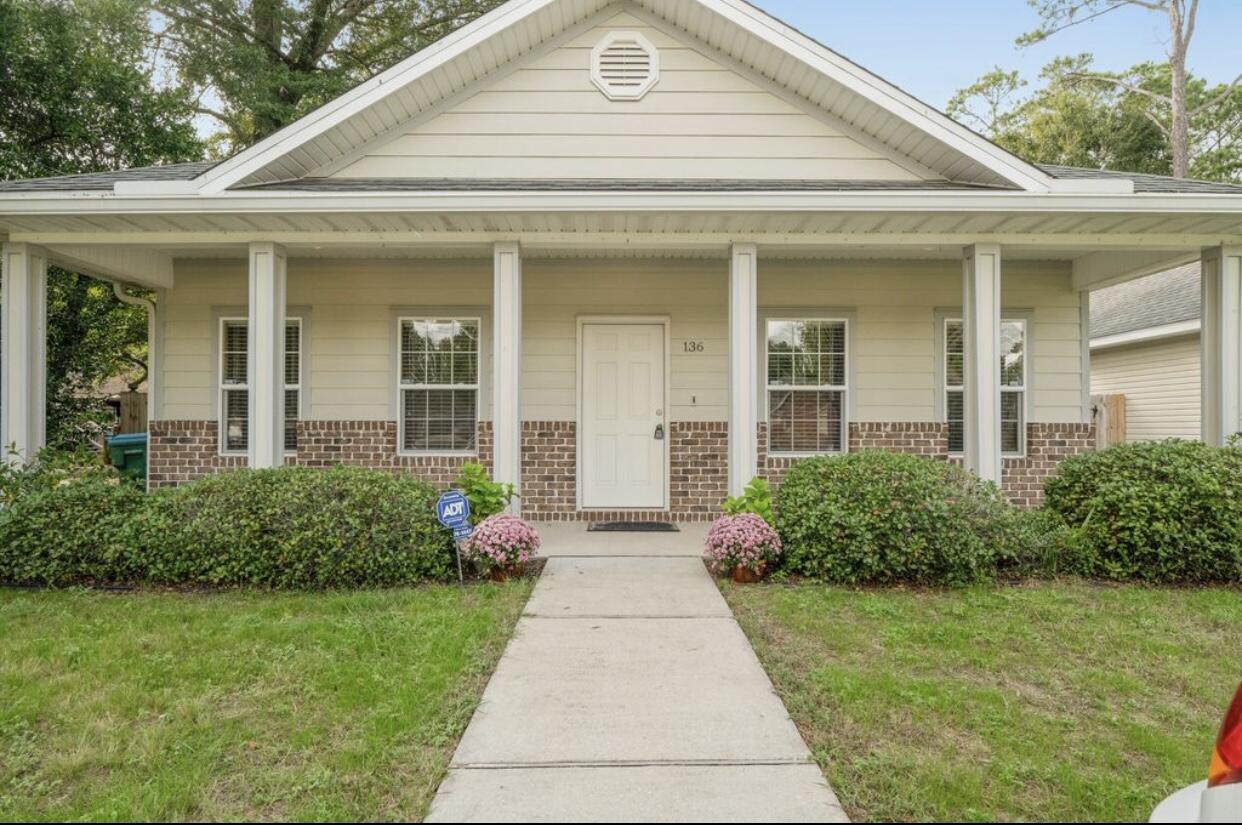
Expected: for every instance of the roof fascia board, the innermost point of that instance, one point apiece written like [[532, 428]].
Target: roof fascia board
[[1139, 336], [883, 94], [241, 201], [250, 160]]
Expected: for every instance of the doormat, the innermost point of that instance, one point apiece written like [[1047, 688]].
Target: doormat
[[632, 527]]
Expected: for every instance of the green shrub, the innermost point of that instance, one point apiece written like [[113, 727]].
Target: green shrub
[[1168, 511], [48, 469], [295, 528], [877, 517], [73, 531], [487, 498], [756, 498]]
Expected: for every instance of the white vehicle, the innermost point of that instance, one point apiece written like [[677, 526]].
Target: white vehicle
[[1219, 797]]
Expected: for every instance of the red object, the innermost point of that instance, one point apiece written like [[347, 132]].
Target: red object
[[1226, 767]]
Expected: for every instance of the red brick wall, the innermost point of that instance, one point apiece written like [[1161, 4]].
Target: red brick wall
[[182, 451], [1047, 445], [698, 459]]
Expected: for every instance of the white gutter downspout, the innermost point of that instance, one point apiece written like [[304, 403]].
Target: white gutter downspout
[[124, 297]]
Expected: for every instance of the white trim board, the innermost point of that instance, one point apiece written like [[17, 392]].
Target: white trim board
[[1139, 336]]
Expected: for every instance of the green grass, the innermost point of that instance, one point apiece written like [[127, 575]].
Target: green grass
[[240, 705], [1051, 702]]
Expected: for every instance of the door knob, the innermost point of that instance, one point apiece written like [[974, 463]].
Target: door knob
[[659, 432]]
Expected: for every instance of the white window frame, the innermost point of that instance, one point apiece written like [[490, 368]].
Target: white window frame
[[1022, 391], [477, 386], [296, 321], [768, 388], [222, 388]]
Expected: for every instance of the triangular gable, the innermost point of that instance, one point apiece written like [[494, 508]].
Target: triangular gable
[[828, 104]]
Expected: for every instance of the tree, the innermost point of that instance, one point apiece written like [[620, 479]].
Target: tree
[[1074, 120], [1172, 108], [80, 96], [258, 65]]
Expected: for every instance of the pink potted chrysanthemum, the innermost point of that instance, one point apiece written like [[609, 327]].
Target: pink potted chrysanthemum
[[743, 545], [502, 545]]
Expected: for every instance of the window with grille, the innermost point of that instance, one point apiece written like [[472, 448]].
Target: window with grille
[[438, 385], [1013, 385], [235, 384], [807, 385]]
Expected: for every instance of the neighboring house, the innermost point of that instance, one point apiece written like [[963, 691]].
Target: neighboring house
[[1145, 345], [626, 254]]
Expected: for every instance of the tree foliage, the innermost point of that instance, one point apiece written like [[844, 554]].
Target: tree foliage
[[258, 65], [1073, 119], [80, 95]]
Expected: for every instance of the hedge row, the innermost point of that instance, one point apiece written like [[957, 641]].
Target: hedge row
[[1165, 512], [286, 528]]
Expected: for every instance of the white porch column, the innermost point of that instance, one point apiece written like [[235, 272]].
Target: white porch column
[[507, 365], [743, 365], [23, 350], [266, 355], [1221, 342], [981, 320]]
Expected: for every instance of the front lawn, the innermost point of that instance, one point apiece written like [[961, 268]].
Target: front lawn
[[240, 705], [1052, 702]]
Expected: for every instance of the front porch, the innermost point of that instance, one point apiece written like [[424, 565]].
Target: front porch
[[270, 354]]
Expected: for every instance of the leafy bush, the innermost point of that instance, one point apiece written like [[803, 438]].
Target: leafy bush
[[1168, 511], [744, 540], [501, 541], [756, 498], [71, 531], [295, 528], [877, 517], [49, 469], [487, 497]]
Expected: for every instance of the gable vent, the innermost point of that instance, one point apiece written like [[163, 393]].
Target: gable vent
[[624, 65]]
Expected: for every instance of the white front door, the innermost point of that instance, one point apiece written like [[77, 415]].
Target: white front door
[[624, 438]]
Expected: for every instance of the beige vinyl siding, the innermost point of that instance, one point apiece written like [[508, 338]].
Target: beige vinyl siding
[[350, 307], [701, 120], [350, 328], [895, 336], [1160, 380]]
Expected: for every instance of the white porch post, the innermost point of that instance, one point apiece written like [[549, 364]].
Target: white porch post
[[507, 365], [981, 319], [23, 373], [266, 354], [1221, 342], [743, 365]]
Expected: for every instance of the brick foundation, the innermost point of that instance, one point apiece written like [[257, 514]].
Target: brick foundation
[[182, 451], [1047, 445], [698, 460], [1022, 479]]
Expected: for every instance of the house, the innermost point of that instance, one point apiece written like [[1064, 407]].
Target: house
[[628, 255], [1145, 346]]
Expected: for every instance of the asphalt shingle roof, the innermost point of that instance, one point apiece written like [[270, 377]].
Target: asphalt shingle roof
[[102, 181], [1147, 184], [1167, 297]]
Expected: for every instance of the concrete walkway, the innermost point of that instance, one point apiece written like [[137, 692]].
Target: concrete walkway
[[630, 694]]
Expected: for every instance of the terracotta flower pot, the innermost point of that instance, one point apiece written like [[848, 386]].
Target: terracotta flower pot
[[744, 575], [512, 571]]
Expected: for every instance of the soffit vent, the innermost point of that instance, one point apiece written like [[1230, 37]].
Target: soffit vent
[[624, 65]]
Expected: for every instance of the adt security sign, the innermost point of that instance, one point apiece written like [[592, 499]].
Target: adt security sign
[[453, 511]]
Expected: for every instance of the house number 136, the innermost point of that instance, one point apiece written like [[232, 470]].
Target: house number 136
[[692, 346]]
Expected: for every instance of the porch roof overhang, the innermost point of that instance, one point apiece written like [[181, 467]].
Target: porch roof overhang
[[1109, 237]]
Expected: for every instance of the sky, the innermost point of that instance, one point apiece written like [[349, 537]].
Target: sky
[[932, 48]]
